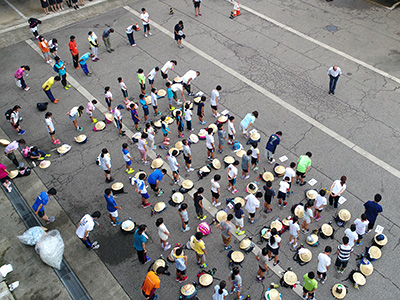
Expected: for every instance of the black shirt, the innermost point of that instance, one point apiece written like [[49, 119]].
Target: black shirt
[[197, 199], [269, 193]]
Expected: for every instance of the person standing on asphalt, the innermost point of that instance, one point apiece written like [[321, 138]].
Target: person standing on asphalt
[[337, 189], [47, 88], [272, 143], [252, 204], [73, 48], [152, 283], [73, 114], [82, 61], [140, 239], [302, 167], [44, 47], [146, 22], [181, 264], [85, 226], [141, 188], [226, 234], [178, 33], [324, 261], [273, 245], [333, 74], [105, 164], [62, 72], [129, 33], [248, 120], [372, 210], [94, 45], [15, 119], [187, 80], [9, 152], [19, 77], [214, 101], [343, 255], [106, 39], [33, 26], [40, 203], [310, 285], [50, 127], [262, 258], [112, 207], [118, 119], [197, 4], [352, 234]]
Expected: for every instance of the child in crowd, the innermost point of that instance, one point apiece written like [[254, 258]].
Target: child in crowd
[[269, 194], [307, 219], [151, 135], [282, 193], [170, 95], [127, 158], [165, 131], [187, 112], [210, 144], [255, 156], [152, 75], [179, 123], [135, 116], [200, 250], [215, 192], [187, 156], [198, 204], [142, 81], [183, 214], [239, 218], [90, 107], [221, 137], [163, 233], [232, 174], [154, 101], [200, 110], [319, 204], [124, 88], [294, 230], [144, 106], [361, 228], [246, 164], [143, 148], [231, 130]]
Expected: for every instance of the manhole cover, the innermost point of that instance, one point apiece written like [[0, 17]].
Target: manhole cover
[[332, 28]]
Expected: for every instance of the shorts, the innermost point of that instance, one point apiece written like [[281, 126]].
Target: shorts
[[341, 264], [108, 101], [146, 110], [254, 160], [197, 4], [232, 181], [221, 142], [118, 123], [142, 86], [146, 27], [164, 75], [211, 150], [72, 118], [226, 240], [281, 195], [145, 196], [360, 236], [4, 179], [239, 222], [201, 257], [128, 162], [165, 134], [275, 251], [180, 127], [46, 54], [153, 187], [214, 107], [114, 214], [176, 172], [302, 175], [186, 222], [230, 136], [187, 159], [321, 273], [215, 195], [245, 170], [151, 81], [107, 171], [124, 93], [262, 269], [310, 294], [52, 133], [155, 107], [268, 200], [182, 272], [252, 215], [319, 210], [90, 114], [41, 213], [52, 50], [199, 113], [178, 37]]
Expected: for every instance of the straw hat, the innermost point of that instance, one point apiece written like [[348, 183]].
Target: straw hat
[[81, 138], [239, 200], [196, 100], [169, 120], [272, 295], [13, 174], [276, 224], [128, 225], [245, 243], [161, 93], [157, 124], [63, 149], [221, 216], [205, 169], [190, 104], [202, 133], [157, 163], [375, 252], [160, 206], [344, 215], [148, 100], [138, 173], [187, 184], [299, 211], [305, 255], [214, 127], [237, 256], [4, 142], [158, 263], [268, 176], [229, 159], [327, 229], [285, 222], [222, 119], [117, 186], [109, 117], [312, 239], [366, 269], [44, 164], [136, 136], [188, 289], [177, 79], [174, 112], [205, 279], [177, 197], [172, 150], [382, 242], [194, 138], [240, 153], [252, 188], [216, 164], [290, 278], [339, 291], [359, 278], [179, 145], [255, 136], [280, 170], [100, 125], [311, 194]]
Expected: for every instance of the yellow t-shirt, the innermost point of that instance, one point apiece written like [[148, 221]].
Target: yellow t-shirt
[[49, 83], [199, 246]]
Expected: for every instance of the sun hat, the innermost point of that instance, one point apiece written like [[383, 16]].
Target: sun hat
[[268, 176], [245, 243], [169, 120], [359, 278], [216, 164], [229, 159], [188, 289], [109, 117], [205, 169], [44, 164], [176, 110], [366, 268], [344, 215], [339, 291], [179, 145], [117, 186], [299, 211], [277, 225], [100, 125], [272, 294], [311, 194], [4, 142], [214, 127], [177, 79], [160, 206], [157, 163], [240, 153], [290, 278], [312, 239], [172, 150], [196, 100], [63, 149], [285, 222], [157, 124], [12, 174], [279, 170], [148, 100], [81, 139], [237, 256], [205, 279], [252, 188], [239, 200], [187, 184], [193, 138], [140, 172], [221, 216], [327, 229], [158, 263], [375, 252], [128, 225], [305, 255], [202, 133], [222, 119], [380, 239], [255, 136], [161, 92], [177, 197]]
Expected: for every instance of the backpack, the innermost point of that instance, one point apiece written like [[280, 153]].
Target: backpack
[[236, 146], [55, 68], [8, 114]]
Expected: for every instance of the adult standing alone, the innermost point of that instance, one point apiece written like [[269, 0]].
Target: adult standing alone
[[333, 73], [140, 239], [337, 189], [73, 48], [106, 39], [179, 35], [146, 22], [372, 210]]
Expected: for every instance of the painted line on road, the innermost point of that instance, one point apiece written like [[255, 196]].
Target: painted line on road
[[284, 104], [14, 8]]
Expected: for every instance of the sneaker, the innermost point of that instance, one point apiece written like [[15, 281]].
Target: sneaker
[[235, 191], [149, 34], [178, 280], [118, 223], [297, 181], [303, 183], [21, 132], [160, 193], [40, 158], [261, 279], [203, 218], [267, 211], [240, 232], [21, 165], [122, 134], [190, 170], [55, 101], [228, 248], [113, 224], [359, 244], [167, 139], [179, 102], [134, 45], [109, 181], [284, 204], [79, 129], [145, 35], [66, 88], [304, 296], [172, 108], [255, 169], [130, 171], [146, 163], [187, 229], [166, 143], [323, 281], [146, 205], [166, 248], [148, 258], [184, 278], [47, 155], [56, 142], [202, 123], [203, 266], [317, 219], [95, 243], [9, 189], [154, 147], [217, 204], [279, 204], [247, 176], [271, 161], [229, 188], [220, 151], [275, 264], [241, 297], [243, 177], [94, 120], [96, 247]]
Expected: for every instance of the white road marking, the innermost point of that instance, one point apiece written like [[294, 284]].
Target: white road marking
[[16, 9]]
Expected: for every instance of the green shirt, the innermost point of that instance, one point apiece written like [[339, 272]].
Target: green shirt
[[142, 79], [303, 163], [309, 284]]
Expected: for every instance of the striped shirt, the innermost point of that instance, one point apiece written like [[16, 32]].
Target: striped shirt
[[344, 252]]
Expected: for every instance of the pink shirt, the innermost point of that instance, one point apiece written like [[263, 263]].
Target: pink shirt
[[3, 173], [19, 73]]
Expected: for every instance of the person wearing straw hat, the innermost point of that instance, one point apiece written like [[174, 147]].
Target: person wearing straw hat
[[310, 285], [252, 204], [273, 245], [262, 258], [200, 110], [198, 204], [337, 189], [226, 227], [127, 158], [173, 164], [324, 261], [73, 113], [4, 178], [248, 120], [9, 152], [140, 239], [361, 228], [284, 187], [210, 144], [169, 65], [320, 203], [239, 218], [50, 127], [372, 210], [90, 107], [344, 251], [215, 190], [294, 230], [163, 233], [214, 101], [183, 214], [188, 113], [351, 234], [40, 202], [85, 226], [200, 249], [220, 292], [255, 156], [105, 164], [152, 283], [231, 130], [140, 187], [236, 282], [187, 156], [339, 291], [112, 207], [246, 164], [232, 172], [181, 265], [273, 142], [307, 218], [155, 178], [152, 75], [302, 167]]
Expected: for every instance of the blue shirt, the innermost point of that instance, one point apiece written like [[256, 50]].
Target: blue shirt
[[43, 198], [372, 209], [201, 104], [164, 128], [59, 65], [110, 203], [156, 175], [239, 213], [273, 141], [139, 239], [170, 93], [135, 116], [84, 58], [249, 118], [143, 103]]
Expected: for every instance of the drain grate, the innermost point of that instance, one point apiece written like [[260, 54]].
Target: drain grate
[[332, 28]]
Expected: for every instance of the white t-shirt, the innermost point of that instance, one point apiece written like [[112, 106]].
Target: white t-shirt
[[141, 185], [145, 17], [361, 226], [337, 187], [319, 201], [217, 295], [161, 229], [209, 141], [14, 117], [108, 95], [254, 152], [283, 186], [153, 97], [86, 224], [173, 164], [232, 171], [168, 65], [49, 122], [117, 114], [90, 108], [275, 245], [122, 85], [104, 161], [252, 203], [150, 132], [231, 128], [214, 96], [214, 186], [176, 87], [186, 150], [308, 215], [352, 235], [189, 74], [323, 262], [152, 74], [294, 228], [141, 144], [334, 73], [289, 172], [188, 114], [74, 111]]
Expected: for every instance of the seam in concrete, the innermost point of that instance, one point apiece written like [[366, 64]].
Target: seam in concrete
[[14, 8]]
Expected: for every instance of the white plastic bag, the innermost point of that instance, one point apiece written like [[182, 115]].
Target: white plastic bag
[[51, 249], [31, 236]]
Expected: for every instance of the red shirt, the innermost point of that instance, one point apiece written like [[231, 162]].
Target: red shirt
[[73, 47], [3, 172]]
